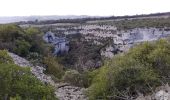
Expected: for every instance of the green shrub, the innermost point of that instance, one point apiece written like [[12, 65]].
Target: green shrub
[[4, 57], [160, 58], [10, 32], [87, 77], [35, 58], [73, 77], [139, 70], [34, 37], [22, 47], [19, 82], [53, 67], [99, 85], [122, 79], [22, 42], [32, 31], [76, 78]]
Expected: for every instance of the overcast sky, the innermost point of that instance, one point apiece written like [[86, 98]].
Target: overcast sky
[[82, 7]]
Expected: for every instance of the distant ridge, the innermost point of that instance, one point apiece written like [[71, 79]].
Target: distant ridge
[[73, 18], [13, 19], [143, 15]]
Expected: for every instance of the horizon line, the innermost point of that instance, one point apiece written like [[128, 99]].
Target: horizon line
[[86, 15]]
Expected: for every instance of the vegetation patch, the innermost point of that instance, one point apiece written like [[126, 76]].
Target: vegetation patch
[[139, 71], [4, 57], [18, 83]]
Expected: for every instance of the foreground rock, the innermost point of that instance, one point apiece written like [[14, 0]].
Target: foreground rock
[[161, 93], [61, 44], [67, 92], [63, 91]]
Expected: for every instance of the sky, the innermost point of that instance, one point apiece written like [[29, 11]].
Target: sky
[[82, 7]]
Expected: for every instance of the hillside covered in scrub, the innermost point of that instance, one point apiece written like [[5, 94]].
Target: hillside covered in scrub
[[108, 59]]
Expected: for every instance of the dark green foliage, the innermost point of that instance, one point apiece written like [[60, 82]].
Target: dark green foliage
[[35, 58], [4, 57], [10, 32], [22, 47], [73, 77], [22, 42], [8, 35], [76, 78], [19, 81], [81, 52], [34, 37], [53, 67], [139, 70]]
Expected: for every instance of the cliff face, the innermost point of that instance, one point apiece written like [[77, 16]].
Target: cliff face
[[102, 38], [100, 32], [60, 43], [123, 40]]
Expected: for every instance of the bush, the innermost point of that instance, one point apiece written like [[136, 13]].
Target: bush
[[73, 77], [19, 82], [160, 58], [53, 67], [87, 77], [10, 32], [22, 42], [8, 35], [22, 47], [4, 57], [35, 58], [139, 70], [34, 37], [76, 78]]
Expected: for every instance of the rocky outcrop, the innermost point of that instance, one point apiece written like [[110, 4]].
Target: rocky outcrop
[[99, 33], [126, 39], [108, 52], [60, 43], [63, 91]]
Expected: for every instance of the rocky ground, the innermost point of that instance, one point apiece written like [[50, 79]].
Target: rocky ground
[[161, 93], [63, 91]]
